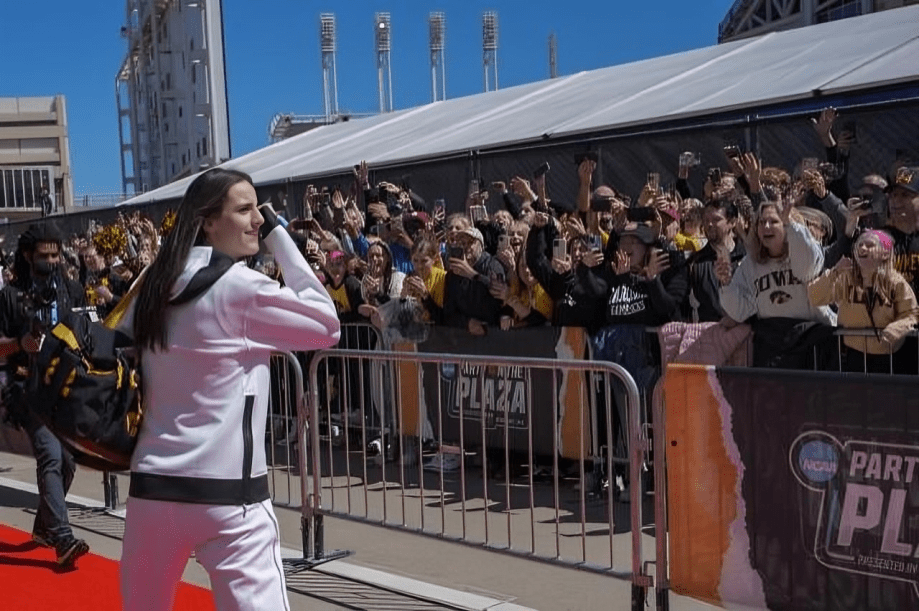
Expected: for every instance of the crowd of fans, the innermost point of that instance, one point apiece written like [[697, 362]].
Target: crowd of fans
[[793, 252]]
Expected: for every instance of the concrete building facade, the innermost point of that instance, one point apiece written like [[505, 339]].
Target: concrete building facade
[[171, 92], [754, 17], [34, 154]]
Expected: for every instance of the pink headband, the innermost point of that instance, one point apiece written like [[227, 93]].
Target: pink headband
[[883, 237], [335, 254]]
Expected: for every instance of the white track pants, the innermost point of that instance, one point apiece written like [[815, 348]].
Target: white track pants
[[239, 546]]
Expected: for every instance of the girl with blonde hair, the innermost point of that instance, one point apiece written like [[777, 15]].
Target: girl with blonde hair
[[870, 294]]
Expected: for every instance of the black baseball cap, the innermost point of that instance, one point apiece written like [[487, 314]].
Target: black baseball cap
[[907, 178], [641, 231]]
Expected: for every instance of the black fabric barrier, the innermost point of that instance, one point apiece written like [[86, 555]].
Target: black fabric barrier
[[509, 397], [831, 486]]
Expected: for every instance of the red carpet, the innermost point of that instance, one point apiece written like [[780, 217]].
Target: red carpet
[[30, 579]]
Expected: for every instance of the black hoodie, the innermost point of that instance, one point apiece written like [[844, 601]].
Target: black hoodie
[[579, 294]]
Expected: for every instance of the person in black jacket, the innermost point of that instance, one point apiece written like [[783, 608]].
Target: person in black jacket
[[574, 283], [468, 302], [903, 226], [647, 282], [719, 218], [40, 298]]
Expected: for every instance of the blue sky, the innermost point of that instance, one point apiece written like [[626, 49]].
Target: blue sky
[[273, 57]]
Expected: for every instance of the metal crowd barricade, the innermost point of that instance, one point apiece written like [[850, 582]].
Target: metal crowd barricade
[[287, 392], [281, 434], [907, 357], [475, 481]]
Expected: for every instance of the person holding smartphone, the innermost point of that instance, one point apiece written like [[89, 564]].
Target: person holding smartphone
[[526, 303], [427, 283], [838, 149], [343, 287], [380, 283], [468, 302], [569, 271], [844, 219], [647, 281]]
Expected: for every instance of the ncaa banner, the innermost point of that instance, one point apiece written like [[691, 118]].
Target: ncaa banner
[[514, 402], [793, 490]]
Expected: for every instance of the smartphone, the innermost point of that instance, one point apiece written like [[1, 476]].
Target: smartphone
[[654, 180], [809, 163], [504, 241], [642, 214], [714, 175], [559, 248], [594, 242], [732, 151], [830, 171], [541, 170], [326, 199], [851, 127], [690, 159], [591, 155], [863, 204], [478, 214], [601, 204], [456, 252], [440, 208]]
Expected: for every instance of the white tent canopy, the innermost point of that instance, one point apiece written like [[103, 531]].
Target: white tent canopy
[[848, 55]]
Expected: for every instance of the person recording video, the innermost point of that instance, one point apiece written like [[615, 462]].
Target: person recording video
[[38, 299]]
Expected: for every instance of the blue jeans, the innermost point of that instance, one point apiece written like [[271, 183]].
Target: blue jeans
[[54, 472]]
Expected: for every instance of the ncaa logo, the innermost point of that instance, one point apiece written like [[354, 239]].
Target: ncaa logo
[[815, 459]]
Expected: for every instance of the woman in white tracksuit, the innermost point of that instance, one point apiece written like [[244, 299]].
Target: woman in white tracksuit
[[206, 325]]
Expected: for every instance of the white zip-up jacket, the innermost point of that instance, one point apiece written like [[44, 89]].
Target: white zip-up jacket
[[206, 397]]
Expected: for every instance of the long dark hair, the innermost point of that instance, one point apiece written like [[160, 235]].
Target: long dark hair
[[204, 198]]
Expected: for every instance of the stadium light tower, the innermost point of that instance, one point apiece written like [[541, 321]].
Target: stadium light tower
[[490, 48], [553, 56], [437, 25], [383, 33], [329, 74]]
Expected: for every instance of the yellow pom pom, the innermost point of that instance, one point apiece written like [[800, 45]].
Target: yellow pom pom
[[169, 221], [111, 240]]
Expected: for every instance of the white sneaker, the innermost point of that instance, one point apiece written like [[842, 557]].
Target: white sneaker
[[621, 490], [442, 463]]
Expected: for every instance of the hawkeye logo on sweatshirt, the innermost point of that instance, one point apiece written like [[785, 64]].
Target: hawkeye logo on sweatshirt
[[775, 280]]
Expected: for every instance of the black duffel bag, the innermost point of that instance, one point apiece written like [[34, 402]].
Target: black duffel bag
[[84, 385]]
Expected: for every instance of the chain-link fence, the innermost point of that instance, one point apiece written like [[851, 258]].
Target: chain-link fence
[[780, 135]]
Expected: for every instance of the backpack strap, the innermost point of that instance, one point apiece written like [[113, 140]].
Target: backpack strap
[[204, 278]]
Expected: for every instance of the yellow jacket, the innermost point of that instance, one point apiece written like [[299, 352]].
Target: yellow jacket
[[897, 312]]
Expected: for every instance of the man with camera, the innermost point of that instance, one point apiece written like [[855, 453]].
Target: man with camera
[[39, 298]]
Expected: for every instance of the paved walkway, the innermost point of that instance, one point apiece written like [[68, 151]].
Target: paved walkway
[[389, 570]]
